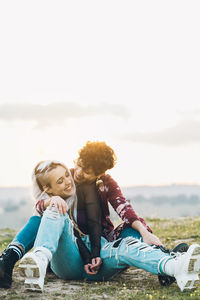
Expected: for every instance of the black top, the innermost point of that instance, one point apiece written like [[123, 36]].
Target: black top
[[89, 220]]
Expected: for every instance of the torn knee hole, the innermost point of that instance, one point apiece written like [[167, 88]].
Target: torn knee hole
[[116, 244]]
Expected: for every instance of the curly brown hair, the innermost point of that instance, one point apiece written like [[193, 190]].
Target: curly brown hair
[[98, 156]]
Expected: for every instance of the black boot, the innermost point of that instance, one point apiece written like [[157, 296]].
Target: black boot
[[166, 280], [8, 259]]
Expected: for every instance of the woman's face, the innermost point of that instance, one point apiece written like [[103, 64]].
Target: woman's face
[[61, 183], [81, 175]]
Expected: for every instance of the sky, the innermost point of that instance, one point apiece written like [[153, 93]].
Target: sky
[[124, 72]]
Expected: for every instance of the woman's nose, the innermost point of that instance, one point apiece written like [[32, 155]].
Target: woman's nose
[[67, 179]]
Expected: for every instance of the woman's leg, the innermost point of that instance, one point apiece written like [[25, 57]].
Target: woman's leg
[[56, 233], [22, 243], [123, 253], [27, 235], [132, 252], [56, 242], [66, 262], [129, 231]]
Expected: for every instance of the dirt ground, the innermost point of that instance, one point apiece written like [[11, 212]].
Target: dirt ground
[[56, 288]]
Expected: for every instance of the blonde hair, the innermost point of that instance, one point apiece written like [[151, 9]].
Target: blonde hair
[[41, 172]]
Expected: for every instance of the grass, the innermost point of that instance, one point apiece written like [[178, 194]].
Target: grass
[[6, 236], [132, 284]]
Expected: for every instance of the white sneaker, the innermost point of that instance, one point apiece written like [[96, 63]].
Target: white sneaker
[[187, 267], [33, 268]]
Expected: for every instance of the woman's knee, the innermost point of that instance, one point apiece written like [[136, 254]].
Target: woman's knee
[[130, 232], [52, 213]]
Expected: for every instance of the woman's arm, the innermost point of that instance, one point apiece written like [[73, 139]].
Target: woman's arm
[[85, 254], [127, 213], [114, 195], [89, 202], [55, 201], [148, 237]]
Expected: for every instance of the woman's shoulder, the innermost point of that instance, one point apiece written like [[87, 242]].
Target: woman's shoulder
[[107, 179]]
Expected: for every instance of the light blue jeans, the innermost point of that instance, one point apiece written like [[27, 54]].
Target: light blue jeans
[[27, 235], [56, 234]]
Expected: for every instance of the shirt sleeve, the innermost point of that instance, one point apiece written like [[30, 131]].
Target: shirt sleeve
[[123, 208], [39, 206], [89, 201], [40, 201]]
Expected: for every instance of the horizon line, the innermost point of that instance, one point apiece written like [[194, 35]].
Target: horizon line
[[123, 186]]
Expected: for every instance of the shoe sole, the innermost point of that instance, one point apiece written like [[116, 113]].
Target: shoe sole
[[193, 268], [194, 263], [28, 268], [32, 284]]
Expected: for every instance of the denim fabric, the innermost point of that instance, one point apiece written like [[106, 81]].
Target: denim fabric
[[27, 235], [129, 252], [129, 231], [56, 234]]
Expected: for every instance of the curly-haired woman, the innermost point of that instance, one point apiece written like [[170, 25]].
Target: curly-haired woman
[[95, 158]]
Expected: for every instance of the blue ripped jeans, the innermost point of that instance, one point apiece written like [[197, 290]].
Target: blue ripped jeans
[[56, 234], [27, 235]]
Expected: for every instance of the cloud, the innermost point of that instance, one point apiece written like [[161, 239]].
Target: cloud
[[57, 113], [184, 133]]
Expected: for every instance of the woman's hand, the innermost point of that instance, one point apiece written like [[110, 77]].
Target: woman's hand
[[147, 236], [96, 263], [151, 239], [93, 268], [88, 269], [59, 204]]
